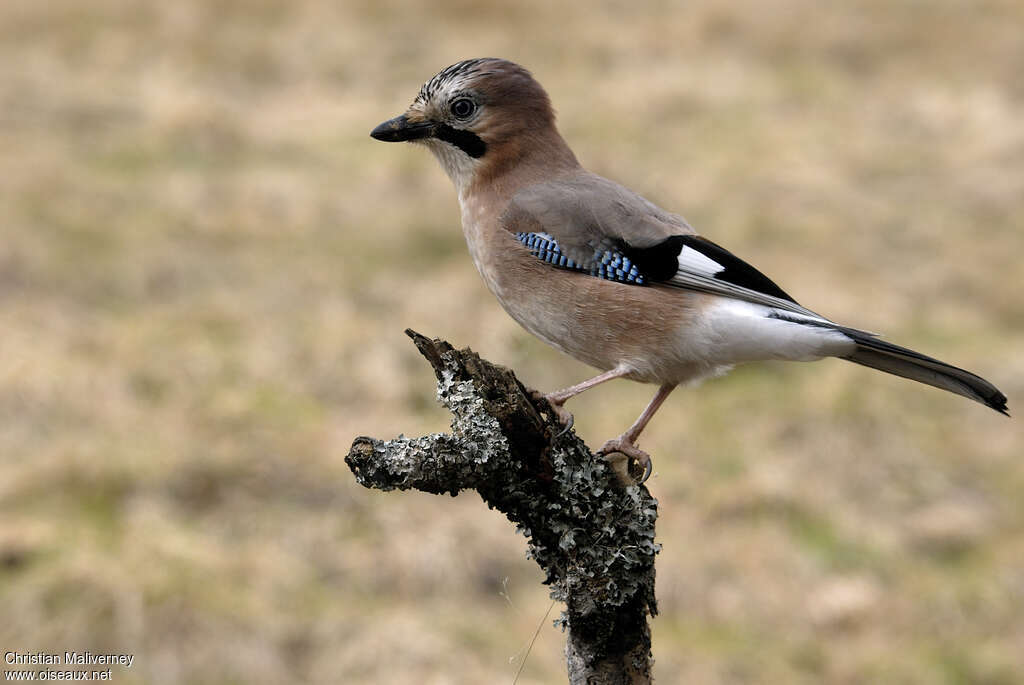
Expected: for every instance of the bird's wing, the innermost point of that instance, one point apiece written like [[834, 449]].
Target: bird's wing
[[585, 210], [588, 223]]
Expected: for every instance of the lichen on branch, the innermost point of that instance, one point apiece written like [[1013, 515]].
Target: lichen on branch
[[592, 534]]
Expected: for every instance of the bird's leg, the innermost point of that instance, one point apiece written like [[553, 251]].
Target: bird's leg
[[558, 398], [626, 443]]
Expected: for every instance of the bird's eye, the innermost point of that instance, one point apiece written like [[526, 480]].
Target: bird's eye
[[463, 108]]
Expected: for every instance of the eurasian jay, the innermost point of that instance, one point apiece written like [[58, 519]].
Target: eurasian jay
[[602, 274]]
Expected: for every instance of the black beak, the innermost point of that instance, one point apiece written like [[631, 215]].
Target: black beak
[[400, 128]]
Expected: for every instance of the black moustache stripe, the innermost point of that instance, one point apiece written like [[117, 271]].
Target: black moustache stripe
[[467, 141]]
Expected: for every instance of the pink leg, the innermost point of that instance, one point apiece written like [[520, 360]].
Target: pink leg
[[626, 443], [559, 397]]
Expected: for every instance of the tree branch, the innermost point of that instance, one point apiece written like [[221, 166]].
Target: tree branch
[[592, 534]]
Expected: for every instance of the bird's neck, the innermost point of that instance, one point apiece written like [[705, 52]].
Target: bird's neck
[[520, 162], [485, 199]]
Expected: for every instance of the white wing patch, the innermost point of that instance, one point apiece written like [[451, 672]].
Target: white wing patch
[[695, 262]]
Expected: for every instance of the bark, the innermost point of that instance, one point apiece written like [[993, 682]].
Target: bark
[[589, 528]]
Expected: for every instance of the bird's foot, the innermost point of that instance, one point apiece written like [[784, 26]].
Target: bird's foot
[[562, 415], [624, 445]]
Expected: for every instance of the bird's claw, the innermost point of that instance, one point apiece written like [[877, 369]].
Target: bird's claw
[[561, 414], [624, 446], [565, 418]]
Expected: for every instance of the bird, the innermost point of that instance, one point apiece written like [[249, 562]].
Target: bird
[[607, 277]]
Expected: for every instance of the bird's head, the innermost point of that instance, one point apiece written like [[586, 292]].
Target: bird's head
[[479, 117]]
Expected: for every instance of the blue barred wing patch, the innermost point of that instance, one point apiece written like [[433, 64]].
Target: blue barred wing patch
[[610, 265]]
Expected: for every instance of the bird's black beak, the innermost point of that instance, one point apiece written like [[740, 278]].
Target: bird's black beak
[[400, 128]]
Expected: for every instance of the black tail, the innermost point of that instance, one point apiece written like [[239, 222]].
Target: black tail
[[900, 361]]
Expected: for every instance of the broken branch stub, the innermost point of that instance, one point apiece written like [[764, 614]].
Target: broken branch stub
[[591, 534]]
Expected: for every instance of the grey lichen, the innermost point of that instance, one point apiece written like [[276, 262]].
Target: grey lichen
[[481, 434], [592, 535]]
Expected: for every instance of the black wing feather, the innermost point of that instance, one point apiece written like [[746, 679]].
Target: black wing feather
[[658, 262], [734, 270]]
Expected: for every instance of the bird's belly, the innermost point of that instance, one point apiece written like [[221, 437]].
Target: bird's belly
[[602, 323]]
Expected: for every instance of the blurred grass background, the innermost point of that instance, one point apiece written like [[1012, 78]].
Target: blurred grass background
[[207, 264]]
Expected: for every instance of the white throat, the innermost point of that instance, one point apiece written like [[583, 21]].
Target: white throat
[[459, 166]]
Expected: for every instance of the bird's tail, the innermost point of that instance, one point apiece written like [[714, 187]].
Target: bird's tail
[[901, 361]]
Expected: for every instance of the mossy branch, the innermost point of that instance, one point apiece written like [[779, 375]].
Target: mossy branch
[[591, 533]]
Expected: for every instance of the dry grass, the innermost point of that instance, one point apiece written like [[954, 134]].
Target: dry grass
[[206, 266]]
